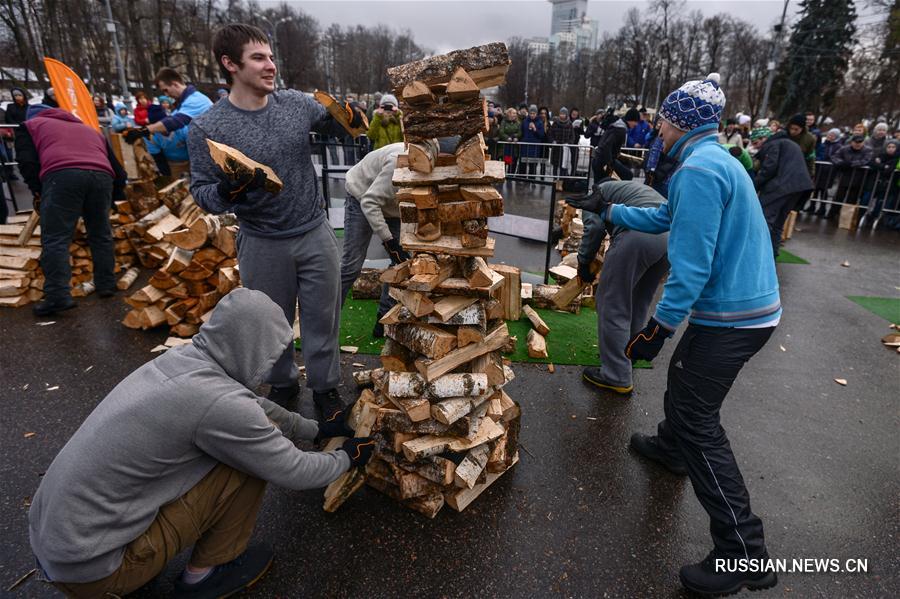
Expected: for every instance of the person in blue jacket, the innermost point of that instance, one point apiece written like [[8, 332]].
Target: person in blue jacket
[[167, 149], [190, 104], [121, 120], [723, 280]]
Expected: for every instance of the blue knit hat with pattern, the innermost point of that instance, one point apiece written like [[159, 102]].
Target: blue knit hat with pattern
[[694, 104]]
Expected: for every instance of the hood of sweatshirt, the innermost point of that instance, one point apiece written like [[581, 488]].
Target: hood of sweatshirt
[[44, 112], [620, 124], [246, 334]]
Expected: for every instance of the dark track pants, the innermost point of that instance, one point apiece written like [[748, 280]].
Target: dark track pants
[[66, 196], [701, 372]]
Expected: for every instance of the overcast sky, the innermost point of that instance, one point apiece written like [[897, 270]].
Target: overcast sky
[[444, 25]]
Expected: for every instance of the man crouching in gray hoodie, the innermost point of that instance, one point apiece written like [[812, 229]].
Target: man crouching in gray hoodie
[[178, 454]]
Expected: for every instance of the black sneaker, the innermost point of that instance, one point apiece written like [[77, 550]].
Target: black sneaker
[[286, 397], [228, 579], [378, 330], [328, 402], [648, 446], [591, 374], [106, 292], [48, 307], [703, 578]]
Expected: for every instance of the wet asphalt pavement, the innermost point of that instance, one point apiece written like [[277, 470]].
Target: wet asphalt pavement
[[580, 515]]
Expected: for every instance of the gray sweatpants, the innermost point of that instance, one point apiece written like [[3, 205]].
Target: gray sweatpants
[[635, 264], [304, 268]]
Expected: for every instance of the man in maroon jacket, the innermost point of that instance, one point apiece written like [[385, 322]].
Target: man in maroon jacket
[[72, 172]]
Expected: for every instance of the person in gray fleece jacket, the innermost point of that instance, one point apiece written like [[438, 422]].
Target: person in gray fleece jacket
[[178, 454]]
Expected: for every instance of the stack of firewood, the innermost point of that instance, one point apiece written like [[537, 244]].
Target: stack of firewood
[[21, 280], [444, 426], [196, 259]]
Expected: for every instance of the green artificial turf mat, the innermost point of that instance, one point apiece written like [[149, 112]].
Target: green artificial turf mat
[[886, 307], [572, 338], [785, 257]]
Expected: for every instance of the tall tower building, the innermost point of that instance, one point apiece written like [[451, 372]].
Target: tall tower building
[[567, 15]]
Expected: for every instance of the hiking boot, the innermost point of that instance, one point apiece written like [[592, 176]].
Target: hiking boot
[[329, 402], [703, 578], [378, 330], [648, 446], [591, 374], [286, 397], [48, 307], [228, 579]]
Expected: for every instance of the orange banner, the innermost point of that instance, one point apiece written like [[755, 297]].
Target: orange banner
[[71, 92]]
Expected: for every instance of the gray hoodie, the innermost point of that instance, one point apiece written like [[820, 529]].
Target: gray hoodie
[[162, 429], [369, 181]]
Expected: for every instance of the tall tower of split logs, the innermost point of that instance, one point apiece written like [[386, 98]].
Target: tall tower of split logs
[[445, 427]]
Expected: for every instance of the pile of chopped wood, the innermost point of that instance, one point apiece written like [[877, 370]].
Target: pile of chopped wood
[[445, 427], [21, 280], [196, 259]]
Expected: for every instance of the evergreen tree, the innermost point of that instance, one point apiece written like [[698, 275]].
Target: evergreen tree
[[818, 52]]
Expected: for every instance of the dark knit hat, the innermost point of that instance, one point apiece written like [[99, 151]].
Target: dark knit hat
[[632, 115], [799, 120]]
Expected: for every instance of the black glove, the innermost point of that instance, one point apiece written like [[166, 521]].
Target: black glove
[[359, 449], [592, 202], [335, 426], [234, 191], [355, 114], [584, 272], [36, 201], [395, 251], [132, 135], [647, 343]]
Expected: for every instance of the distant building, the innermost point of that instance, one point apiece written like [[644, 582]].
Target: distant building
[[570, 27], [567, 14], [538, 45]]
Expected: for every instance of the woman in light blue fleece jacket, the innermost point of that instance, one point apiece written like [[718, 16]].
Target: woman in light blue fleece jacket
[[723, 279]]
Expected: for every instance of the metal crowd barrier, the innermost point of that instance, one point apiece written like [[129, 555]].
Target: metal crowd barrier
[[863, 187]]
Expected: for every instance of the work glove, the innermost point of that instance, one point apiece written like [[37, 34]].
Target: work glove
[[132, 135], [395, 251], [359, 449], [585, 274], [355, 114], [647, 343], [335, 426], [592, 202], [236, 190]]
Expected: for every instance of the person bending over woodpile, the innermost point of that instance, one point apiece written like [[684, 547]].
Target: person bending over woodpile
[[723, 276], [371, 206], [286, 247], [633, 267], [178, 455], [72, 172]]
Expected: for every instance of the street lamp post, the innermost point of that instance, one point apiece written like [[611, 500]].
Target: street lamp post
[[776, 55], [120, 67], [278, 62]]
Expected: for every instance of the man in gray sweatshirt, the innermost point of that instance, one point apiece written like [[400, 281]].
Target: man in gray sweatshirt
[[633, 268], [286, 247], [178, 454], [371, 206]]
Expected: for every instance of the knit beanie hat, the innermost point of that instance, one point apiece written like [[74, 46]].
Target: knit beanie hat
[[799, 120], [532, 108], [760, 133], [744, 119], [694, 104], [389, 99], [563, 110], [835, 131], [155, 113], [632, 115]]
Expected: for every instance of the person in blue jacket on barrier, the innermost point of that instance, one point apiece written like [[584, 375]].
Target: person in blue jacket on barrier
[[723, 279]]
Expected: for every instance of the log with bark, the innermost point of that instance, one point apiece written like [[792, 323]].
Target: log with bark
[[486, 65]]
